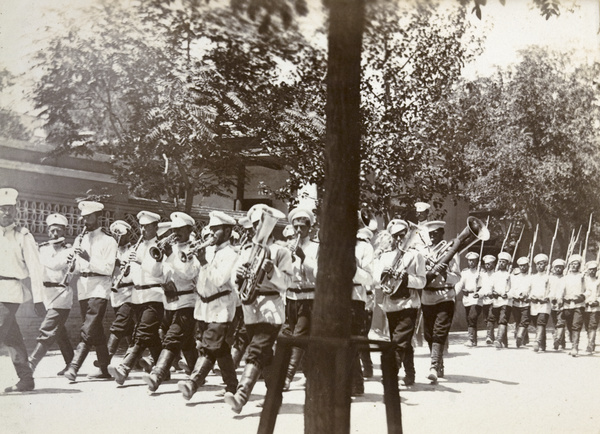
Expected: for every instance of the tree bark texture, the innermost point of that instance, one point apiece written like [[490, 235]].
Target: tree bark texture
[[327, 411]]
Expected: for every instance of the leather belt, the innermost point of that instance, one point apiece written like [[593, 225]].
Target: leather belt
[[8, 278], [267, 293], [92, 274], [53, 285], [301, 290], [189, 291], [214, 296], [154, 285]]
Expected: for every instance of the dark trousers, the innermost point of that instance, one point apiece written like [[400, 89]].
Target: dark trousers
[[180, 333], [10, 336], [92, 312], [53, 330], [573, 319], [472, 313], [541, 319], [298, 314], [123, 324], [262, 337], [590, 320], [240, 339], [521, 316], [148, 317], [214, 343], [557, 318], [486, 311], [437, 319], [402, 327], [501, 314]]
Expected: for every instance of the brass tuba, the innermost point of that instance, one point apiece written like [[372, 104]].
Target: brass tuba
[[259, 253], [475, 231], [391, 285]]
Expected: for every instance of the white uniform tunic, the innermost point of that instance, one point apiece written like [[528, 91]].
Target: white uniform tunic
[[486, 281], [123, 294], [20, 260], [215, 279], [592, 294], [54, 259], [520, 286], [304, 274], [146, 275], [445, 287], [268, 308], [102, 249], [414, 264], [184, 275], [572, 287], [363, 278], [470, 284], [540, 291], [500, 288], [556, 292]]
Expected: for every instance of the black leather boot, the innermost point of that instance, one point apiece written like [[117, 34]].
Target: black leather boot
[[37, 355], [228, 373], [574, 343], [103, 355], [236, 356], [436, 353], [295, 358], [501, 337], [470, 337], [198, 377], [121, 372], [160, 370], [489, 339], [81, 353], [240, 398]]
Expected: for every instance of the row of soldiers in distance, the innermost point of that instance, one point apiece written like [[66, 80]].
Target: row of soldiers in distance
[[203, 295]]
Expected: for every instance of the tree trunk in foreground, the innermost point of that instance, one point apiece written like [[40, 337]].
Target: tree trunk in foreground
[[339, 221]]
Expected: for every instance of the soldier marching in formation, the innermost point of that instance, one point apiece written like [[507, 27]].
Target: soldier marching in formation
[[230, 294]]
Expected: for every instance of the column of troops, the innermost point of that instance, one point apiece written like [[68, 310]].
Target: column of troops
[[195, 300]]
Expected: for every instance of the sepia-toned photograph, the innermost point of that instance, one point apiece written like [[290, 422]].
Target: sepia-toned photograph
[[299, 216]]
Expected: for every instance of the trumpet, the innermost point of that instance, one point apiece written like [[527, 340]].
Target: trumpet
[[157, 252], [52, 242], [195, 247], [71, 263]]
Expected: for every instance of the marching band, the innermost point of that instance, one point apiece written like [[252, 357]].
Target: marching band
[[219, 296]]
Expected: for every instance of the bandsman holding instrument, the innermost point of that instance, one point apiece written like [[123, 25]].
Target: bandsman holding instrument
[[57, 298], [301, 293], [399, 274], [215, 307], [122, 289], [94, 255], [180, 270], [539, 298], [520, 285], [489, 264], [20, 260], [262, 275], [470, 285], [147, 295], [591, 315], [572, 286], [556, 302], [502, 303]]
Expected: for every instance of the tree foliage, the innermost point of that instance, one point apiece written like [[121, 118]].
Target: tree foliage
[[532, 141], [412, 58], [11, 126]]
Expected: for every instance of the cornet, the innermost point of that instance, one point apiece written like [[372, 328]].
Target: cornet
[[195, 247], [157, 252]]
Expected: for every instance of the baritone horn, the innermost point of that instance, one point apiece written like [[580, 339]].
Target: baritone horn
[[366, 220], [475, 231], [259, 252]]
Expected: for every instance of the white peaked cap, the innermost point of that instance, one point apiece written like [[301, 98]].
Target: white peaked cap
[[180, 219], [422, 206], [88, 207], [8, 196], [147, 217], [218, 218], [57, 219]]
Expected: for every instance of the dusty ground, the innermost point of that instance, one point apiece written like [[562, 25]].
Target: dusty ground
[[485, 390]]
